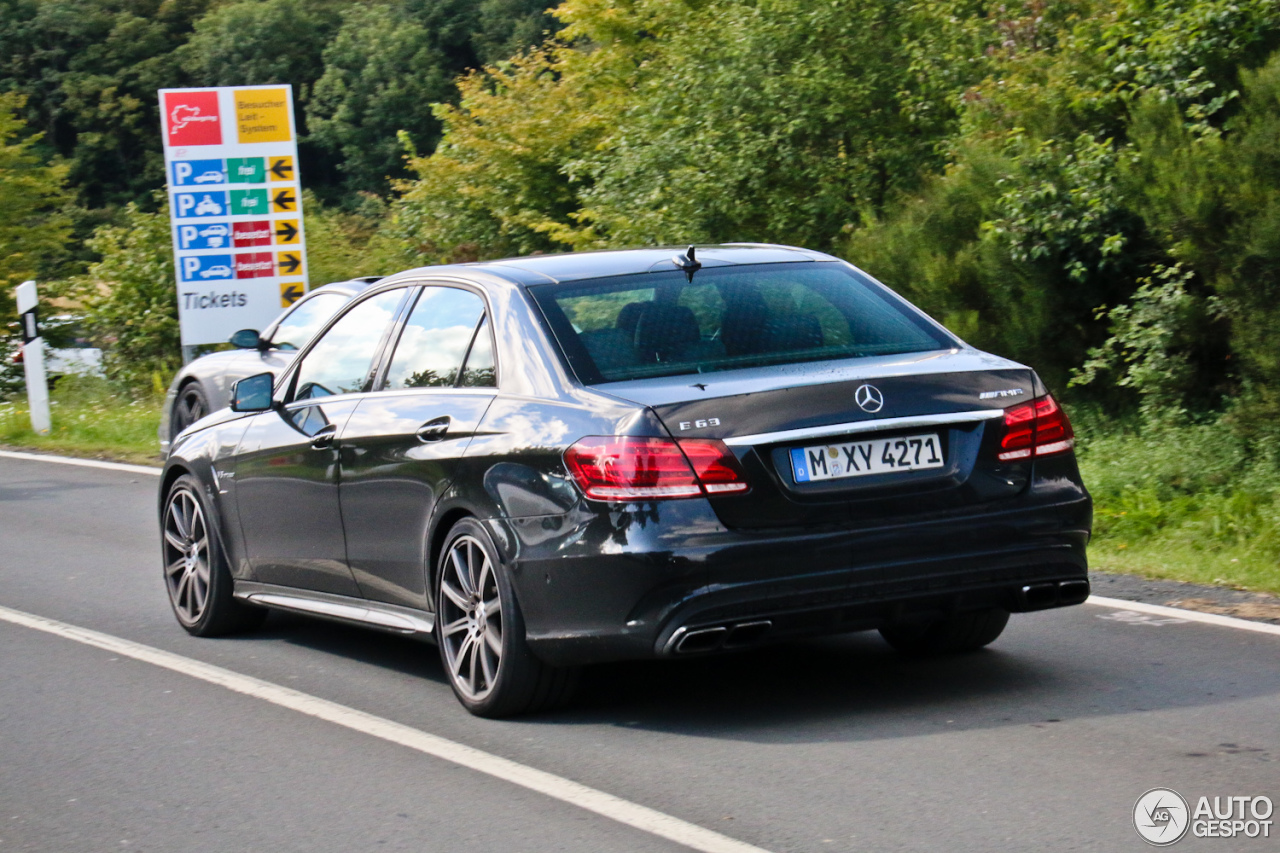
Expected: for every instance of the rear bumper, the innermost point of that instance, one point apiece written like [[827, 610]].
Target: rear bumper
[[600, 587]]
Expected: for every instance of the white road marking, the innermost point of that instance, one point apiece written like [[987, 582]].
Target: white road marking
[[615, 808], [83, 463], [1135, 618], [1185, 615]]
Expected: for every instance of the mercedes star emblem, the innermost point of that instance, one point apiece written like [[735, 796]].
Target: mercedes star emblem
[[869, 398]]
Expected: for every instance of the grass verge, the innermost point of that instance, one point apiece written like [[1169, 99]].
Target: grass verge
[[1188, 503], [91, 418]]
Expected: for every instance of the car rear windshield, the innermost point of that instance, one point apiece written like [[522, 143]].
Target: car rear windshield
[[660, 324]]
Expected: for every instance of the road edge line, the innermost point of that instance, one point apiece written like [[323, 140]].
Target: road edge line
[[1183, 613], [83, 463], [606, 805]]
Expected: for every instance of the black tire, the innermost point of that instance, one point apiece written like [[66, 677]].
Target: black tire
[[190, 406], [963, 632], [481, 633], [195, 571]]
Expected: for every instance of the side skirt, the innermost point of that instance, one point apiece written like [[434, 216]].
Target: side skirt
[[354, 611]]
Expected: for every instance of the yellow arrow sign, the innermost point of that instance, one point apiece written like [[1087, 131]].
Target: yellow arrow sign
[[286, 230], [284, 201], [281, 168], [291, 292], [289, 263]]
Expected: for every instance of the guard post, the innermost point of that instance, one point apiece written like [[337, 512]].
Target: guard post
[[33, 358]]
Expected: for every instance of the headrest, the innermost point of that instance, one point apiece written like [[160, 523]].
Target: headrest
[[629, 316], [662, 328]]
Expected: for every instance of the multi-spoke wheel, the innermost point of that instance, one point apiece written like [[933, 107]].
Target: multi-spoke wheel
[[470, 618], [195, 573], [191, 406], [186, 556], [481, 632]]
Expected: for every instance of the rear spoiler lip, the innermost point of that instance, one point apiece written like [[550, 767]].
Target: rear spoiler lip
[[874, 425]]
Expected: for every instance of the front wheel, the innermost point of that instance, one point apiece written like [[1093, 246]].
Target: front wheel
[[190, 406], [481, 634], [963, 632], [195, 571]]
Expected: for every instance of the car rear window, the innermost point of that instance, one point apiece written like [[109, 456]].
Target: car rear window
[[661, 324]]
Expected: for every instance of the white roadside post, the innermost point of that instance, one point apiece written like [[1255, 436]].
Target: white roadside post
[[33, 359]]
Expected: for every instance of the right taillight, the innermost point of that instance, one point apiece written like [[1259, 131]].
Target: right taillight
[[1038, 428], [627, 468]]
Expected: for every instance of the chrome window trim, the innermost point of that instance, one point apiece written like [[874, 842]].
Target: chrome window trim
[[910, 422]]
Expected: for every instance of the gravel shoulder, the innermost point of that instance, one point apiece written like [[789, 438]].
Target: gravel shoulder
[[1242, 604]]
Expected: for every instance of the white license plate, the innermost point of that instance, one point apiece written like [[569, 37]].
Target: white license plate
[[860, 458]]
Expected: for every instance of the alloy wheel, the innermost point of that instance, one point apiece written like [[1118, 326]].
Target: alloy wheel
[[190, 408], [186, 550], [470, 615]]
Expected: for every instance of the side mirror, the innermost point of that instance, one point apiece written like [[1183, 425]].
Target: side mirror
[[247, 339], [253, 393]]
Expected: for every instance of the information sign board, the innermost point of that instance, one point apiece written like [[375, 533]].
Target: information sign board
[[234, 196]]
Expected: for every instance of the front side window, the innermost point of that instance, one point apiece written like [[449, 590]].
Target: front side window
[[303, 322], [660, 324], [435, 339], [340, 361]]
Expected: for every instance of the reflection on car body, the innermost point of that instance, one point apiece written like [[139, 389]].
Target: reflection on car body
[[550, 461]]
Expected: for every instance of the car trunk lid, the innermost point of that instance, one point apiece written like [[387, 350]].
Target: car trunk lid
[[845, 442]]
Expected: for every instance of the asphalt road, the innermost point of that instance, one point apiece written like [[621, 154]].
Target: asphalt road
[[1042, 742]]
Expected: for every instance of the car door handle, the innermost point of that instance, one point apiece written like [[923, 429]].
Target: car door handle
[[324, 437], [434, 430]]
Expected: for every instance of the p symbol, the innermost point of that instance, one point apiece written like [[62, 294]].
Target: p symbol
[[188, 235], [190, 266], [185, 203], [181, 171]]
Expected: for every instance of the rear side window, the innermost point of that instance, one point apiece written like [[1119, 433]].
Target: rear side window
[[302, 322], [435, 340], [660, 324]]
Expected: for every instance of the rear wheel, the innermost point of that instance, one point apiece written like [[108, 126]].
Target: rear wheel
[[190, 406], [195, 571], [481, 633], [962, 632]]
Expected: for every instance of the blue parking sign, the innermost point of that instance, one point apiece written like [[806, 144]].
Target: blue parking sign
[[199, 268], [204, 235], [199, 205], [195, 173]]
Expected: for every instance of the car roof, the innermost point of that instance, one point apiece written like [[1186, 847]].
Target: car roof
[[576, 266], [350, 287]]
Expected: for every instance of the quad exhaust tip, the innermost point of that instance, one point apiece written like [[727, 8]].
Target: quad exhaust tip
[[735, 636]]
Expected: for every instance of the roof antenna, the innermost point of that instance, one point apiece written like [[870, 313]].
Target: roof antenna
[[688, 262]]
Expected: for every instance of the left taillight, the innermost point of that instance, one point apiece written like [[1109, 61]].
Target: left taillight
[[1038, 428], [626, 468]]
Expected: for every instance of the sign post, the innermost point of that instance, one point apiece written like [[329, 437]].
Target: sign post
[[33, 359], [235, 207]]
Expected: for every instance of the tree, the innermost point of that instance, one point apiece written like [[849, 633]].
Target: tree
[[381, 77], [90, 70], [33, 227], [129, 299]]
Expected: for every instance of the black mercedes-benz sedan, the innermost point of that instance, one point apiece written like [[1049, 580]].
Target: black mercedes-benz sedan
[[549, 461]]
